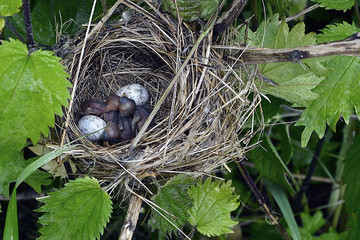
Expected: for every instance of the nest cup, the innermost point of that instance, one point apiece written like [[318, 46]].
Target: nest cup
[[199, 123]]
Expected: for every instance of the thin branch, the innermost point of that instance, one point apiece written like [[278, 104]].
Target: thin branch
[[28, 25], [261, 200], [310, 172], [131, 218], [349, 46], [12, 29], [228, 17], [303, 12]]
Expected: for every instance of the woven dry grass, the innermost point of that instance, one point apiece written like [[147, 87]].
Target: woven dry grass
[[201, 123]]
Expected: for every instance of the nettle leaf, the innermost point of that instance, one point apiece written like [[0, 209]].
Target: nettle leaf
[[213, 203], [9, 7], [48, 17], [12, 162], [311, 224], [338, 94], [336, 4], [191, 10], [295, 80], [336, 32], [352, 194], [80, 210], [174, 199], [34, 87]]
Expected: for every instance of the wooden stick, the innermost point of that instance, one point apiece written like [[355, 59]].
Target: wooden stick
[[349, 46], [131, 218]]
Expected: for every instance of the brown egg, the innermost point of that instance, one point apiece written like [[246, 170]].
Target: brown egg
[[112, 133], [125, 126], [111, 116], [127, 107], [93, 107], [112, 103], [141, 114]]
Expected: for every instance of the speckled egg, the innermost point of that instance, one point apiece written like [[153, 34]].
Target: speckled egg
[[89, 124], [135, 92]]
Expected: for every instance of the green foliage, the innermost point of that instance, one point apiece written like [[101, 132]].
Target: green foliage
[[173, 198], [338, 94], [34, 87], [9, 7], [11, 224], [12, 164], [295, 81], [338, 31], [284, 205], [336, 4], [311, 224], [80, 210], [213, 203], [269, 163], [191, 10], [51, 16], [352, 194]]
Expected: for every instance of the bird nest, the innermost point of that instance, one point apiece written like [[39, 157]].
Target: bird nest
[[200, 125]]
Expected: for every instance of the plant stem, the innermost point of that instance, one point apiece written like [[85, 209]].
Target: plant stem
[[261, 200], [28, 25], [338, 189], [310, 172], [131, 218], [12, 29]]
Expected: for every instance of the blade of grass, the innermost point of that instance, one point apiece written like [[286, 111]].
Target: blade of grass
[[283, 203], [11, 221], [11, 230], [41, 161]]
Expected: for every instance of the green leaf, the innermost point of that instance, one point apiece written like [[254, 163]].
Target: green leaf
[[295, 80], [285, 208], [269, 164], [311, 224], [9, 7], [174, 199], [352, 194], [12, 163], [191, 10], [34, 87], [50, 17], [336, 4], [213, 203], [338, 94], [11, 230], [336, 32], [80, 210]]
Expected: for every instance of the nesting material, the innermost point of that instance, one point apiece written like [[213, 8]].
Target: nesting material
[[200, 124]]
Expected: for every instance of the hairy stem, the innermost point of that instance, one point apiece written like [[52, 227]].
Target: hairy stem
[[28, 25], [261, 200], [310, 173]]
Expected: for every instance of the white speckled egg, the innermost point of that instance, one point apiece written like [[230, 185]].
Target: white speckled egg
[[135, 92], [89, 124]]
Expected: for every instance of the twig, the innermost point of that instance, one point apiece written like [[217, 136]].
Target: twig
[[310, 172], [28, 25], [303, 12], [349, 46], [228, 17], [12, 29], [131, 218], [261, 200]]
